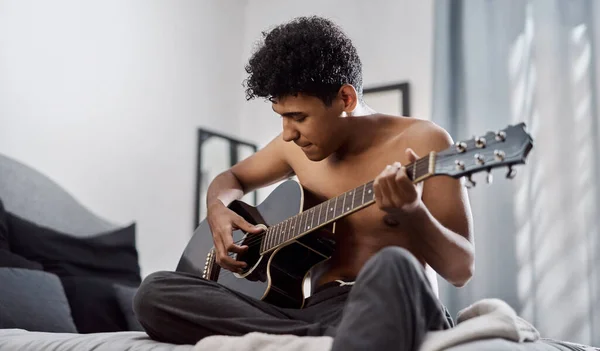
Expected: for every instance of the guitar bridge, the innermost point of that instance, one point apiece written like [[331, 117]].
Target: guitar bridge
[[210, 261]]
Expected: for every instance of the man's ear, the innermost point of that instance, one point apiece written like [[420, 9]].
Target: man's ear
[[349, 97]]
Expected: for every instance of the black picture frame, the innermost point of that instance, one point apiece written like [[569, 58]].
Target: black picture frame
[[401, 88], [233, 143]]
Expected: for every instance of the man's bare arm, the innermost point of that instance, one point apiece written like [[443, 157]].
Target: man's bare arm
[[443, 228], [267, 166]]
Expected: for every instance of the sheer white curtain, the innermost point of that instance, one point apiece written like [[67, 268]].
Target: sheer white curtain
[[537, 237]]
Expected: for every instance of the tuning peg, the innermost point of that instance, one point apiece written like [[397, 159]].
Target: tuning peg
[[499, 155], [490, 177], [470, 182], [501, 135], [479, 159], [511, 173], [480, 142]]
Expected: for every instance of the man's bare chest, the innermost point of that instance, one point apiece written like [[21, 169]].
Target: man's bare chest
[[326, 181]]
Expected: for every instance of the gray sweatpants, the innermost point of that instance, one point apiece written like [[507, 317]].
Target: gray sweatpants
[[390, 307]]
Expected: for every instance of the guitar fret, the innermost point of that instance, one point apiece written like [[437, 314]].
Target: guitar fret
[[273, 236], [369, 194], [319, 217], [290, 229], [307, 217], [267, 237], [306, 225], [353, 192], [344, 202], [279, 235], [335, 207], [330, 209], [285, 232], [296, 226], [302, 223], [312, 224], [356, 200], [338, 209], [270, 237]]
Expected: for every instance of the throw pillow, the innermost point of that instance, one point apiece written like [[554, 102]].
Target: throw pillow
[[94, 305], [3, 228], [125, 296], [11, 260], [111, 255], [7, 258], [34, 301]]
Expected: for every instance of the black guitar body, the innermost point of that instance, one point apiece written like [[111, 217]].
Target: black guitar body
[[277, 277]]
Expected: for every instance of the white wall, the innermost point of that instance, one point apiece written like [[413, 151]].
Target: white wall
[[394, 40], [105, 98]]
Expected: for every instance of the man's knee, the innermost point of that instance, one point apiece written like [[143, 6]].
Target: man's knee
[[148, 296], [396, 260]]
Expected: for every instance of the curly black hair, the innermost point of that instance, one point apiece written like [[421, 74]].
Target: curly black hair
[[309, 55]]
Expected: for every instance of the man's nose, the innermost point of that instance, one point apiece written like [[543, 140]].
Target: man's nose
[[289, 132]]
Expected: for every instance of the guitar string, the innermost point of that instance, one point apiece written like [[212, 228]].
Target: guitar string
[[224, 273], [259, 236], [254, 241]]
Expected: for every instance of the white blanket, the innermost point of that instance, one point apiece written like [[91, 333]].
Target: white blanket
[[489, 318]]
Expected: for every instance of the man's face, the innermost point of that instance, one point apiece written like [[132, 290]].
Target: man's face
[[310, 124]]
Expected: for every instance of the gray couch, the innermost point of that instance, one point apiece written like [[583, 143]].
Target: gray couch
[[42, 302], [33, 302]]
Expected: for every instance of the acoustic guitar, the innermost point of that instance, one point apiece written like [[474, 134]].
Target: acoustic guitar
[[279, 259]]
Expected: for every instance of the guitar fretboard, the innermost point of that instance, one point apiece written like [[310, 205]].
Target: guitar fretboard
[[331, 210]]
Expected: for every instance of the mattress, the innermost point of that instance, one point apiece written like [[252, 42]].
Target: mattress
[[18, 339], [22, 340]]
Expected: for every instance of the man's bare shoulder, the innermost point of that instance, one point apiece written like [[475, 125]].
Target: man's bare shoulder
[[421, 135]]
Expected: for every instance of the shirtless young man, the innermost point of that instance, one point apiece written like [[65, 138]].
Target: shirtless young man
[[332, 141]]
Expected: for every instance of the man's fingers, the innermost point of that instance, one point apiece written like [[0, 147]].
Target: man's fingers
[[227, 261], [411, 155], [231, 264], [247, 227], [219, 247], [238, 248]]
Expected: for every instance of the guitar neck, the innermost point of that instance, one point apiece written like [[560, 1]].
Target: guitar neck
[[336, 208]]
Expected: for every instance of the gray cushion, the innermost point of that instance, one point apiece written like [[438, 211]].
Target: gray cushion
[[33, 300], [125, 296]]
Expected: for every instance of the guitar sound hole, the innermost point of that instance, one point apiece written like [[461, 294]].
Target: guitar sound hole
[[252, 257]]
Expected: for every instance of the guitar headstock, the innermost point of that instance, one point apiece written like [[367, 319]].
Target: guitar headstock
[[504, 148]]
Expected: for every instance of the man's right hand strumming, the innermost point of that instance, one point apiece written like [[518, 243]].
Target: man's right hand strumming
[[223, 222]]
